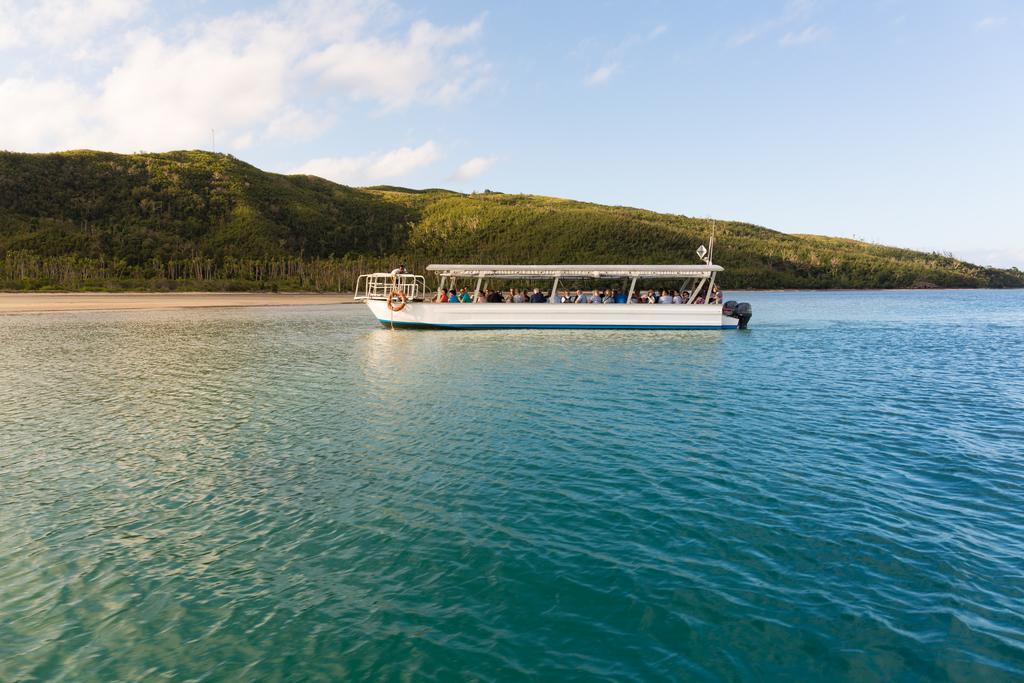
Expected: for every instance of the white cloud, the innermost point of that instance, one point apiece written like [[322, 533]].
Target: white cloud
[[31, 111], [601, 75], [242, 74], [811, 34], [61, 22], [989, 23], [402, 161], [241, 142], [346, 170], [397, 72], [172, 95], [372, 167], [10, 35], [657, 31], [473, 168], [297, 125]]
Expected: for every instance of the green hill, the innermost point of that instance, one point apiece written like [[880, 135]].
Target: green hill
[[97, 220]]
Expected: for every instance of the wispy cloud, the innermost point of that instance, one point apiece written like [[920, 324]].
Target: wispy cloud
[[793, 12], [811, 34], [353, 170], [473, 168], [601, 75], [750, 34], [989, 23], [612, 62]]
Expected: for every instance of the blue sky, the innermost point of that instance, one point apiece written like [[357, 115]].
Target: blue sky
[[894, 121]]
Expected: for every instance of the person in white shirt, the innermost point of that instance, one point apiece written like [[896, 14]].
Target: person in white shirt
[[665, 297]]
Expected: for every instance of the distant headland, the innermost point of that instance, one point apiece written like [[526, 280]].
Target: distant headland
[[193, 220]]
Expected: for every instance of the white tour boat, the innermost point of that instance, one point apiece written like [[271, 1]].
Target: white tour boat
[[400, 299]]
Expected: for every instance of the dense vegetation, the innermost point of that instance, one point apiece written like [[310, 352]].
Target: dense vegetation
[[196, 220]]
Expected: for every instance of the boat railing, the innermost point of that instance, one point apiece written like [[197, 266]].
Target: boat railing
[[381, 285]]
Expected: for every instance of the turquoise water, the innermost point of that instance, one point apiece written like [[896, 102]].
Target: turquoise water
[[297, 494]]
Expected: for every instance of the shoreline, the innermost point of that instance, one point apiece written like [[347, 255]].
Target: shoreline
[[12, 303]]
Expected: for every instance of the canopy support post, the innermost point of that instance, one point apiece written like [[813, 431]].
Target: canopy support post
[[693, 294], [476, 292], [554, 290], [632, 286]]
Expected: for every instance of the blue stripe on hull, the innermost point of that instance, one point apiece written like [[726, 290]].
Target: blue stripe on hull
[[388, 323]]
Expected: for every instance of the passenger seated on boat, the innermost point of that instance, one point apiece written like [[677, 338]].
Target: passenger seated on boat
[[581, 297], [677, 298], [494, 297], [665, 297], [518, 297], [441, 297], [596, 297], [559, 297], [537, 297], [634, 299], [453, 296], [619, 297], [465, 297], [685, 296]]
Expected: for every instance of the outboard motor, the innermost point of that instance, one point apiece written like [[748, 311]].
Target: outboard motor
[[740, 311]]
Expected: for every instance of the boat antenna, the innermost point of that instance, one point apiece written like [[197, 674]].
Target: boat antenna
[[711, 245]]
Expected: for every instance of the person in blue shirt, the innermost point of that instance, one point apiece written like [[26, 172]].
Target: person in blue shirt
[[465, 297], [536, 297], [619, 297], [453, 297]]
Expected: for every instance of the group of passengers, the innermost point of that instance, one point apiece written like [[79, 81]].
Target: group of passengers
[[598, 296]]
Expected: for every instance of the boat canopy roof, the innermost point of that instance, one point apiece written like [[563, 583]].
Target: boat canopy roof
[[573, 271]]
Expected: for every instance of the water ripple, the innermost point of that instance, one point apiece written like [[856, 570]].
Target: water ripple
[[300, 495]]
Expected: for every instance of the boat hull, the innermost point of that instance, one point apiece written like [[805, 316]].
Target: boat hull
[[555, 316]]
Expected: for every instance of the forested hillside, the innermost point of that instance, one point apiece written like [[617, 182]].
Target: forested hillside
[[196, 220]]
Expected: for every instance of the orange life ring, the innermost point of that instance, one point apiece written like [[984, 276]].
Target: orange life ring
[[402, 300]]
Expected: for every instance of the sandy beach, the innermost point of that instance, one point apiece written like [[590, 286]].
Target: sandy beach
[[42, 302]]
